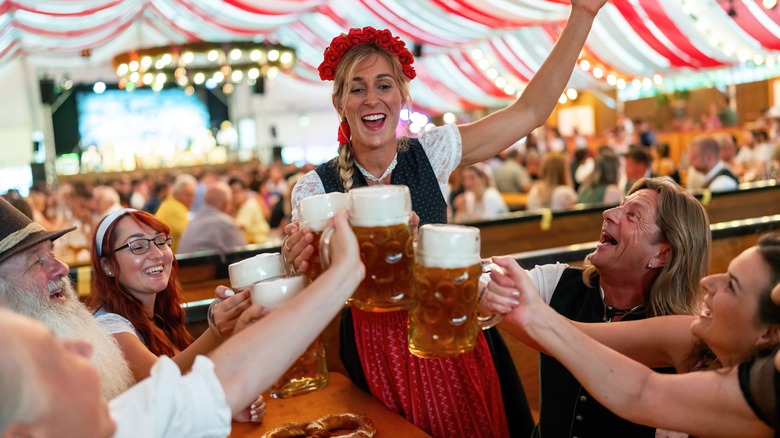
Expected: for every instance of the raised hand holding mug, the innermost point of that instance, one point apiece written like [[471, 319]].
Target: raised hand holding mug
[[313, 214], [242, 275], [445, 277], [379, 216]]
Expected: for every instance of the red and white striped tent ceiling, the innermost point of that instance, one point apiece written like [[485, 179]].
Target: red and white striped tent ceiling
[[475, 53]]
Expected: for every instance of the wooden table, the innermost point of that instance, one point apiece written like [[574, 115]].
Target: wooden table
[[338, 397]]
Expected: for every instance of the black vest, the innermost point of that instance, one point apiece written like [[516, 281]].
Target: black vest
[[723, 171], [567, 410], [413, 170]]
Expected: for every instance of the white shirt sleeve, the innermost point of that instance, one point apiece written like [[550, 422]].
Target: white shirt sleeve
[[114, 323], [308, 185], [544, 277], [444, 149], [167, 405]]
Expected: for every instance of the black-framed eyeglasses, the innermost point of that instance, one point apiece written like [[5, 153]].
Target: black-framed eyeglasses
[[142, 245]]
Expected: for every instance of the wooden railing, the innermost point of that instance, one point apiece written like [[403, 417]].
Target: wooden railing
[[528, 233]]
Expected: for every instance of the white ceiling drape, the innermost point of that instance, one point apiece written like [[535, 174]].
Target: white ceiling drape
[[476, 53]]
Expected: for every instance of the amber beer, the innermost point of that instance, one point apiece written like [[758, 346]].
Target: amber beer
[[313, 214], [379, 216], [310, 371], [315, 265], [445, 278], [387, 253]]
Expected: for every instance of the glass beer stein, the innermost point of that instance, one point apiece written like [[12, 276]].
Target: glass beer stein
[[379, 216], [313, 214], [310, 371], [445, 277]]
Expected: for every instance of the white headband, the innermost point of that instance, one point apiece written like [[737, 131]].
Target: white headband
[[110, 219]]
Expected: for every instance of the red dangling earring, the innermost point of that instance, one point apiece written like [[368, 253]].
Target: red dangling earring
[[344, 132]]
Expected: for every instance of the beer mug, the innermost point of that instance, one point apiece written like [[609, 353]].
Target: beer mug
[[379, 216], [258, 268], [245, 273], [445, 277], [313, 214], [310, 371]]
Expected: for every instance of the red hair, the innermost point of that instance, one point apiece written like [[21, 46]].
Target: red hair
[[167, 332]]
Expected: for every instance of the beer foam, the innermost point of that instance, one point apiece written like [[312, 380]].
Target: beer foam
[[258, 268], [314, 211], [274, 292], [378, 206], [448, 246]]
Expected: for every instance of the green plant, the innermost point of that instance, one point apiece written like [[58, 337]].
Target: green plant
[[682, 94]]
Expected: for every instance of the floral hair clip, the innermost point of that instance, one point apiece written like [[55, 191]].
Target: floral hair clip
[[341, 44]]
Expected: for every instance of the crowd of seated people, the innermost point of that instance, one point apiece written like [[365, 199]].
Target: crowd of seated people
[[259, 204], [252, 198], [602, 171]]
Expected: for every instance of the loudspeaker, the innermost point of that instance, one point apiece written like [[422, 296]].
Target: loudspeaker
[[260, 85], [38, 173], [276, 153], [417, 50], [47, 91]]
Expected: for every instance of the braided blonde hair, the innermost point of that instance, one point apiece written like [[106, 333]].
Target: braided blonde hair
[[346, 165], [344, 71]]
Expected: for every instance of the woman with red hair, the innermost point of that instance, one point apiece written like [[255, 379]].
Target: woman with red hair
[[137, 297]]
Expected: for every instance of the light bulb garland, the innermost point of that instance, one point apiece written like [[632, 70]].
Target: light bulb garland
[[202, 63]]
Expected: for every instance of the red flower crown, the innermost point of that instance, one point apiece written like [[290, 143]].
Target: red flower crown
[[341, 44]]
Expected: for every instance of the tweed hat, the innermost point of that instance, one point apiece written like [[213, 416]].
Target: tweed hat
[[18, 232]]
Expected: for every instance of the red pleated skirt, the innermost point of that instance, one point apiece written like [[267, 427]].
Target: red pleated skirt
[[452, 397]]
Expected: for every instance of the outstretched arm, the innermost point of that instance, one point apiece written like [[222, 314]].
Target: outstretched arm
[[488, 136], [280, 338], [226, 314], [655, 342], [705, 403]]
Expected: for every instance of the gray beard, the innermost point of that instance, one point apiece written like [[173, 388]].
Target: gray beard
[[72, 320]]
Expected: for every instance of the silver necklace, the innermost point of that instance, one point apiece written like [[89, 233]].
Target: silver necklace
[[384, 175]]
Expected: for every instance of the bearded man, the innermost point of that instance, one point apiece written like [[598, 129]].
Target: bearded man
[[34, 283]]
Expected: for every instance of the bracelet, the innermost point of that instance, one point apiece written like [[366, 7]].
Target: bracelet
[[210, 318], [482, 292]]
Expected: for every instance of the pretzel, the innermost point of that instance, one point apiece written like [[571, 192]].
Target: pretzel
[[360, 426], [357, 425], [296, 430]]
